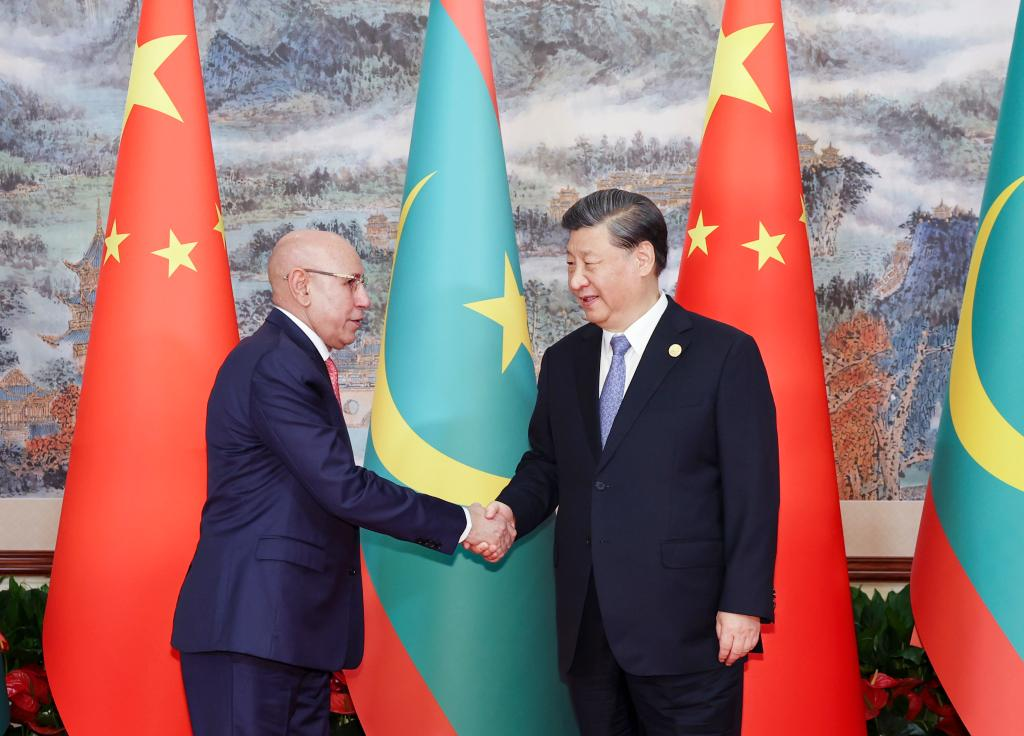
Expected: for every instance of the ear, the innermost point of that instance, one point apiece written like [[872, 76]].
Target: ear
[[643, 256], [298, 285]]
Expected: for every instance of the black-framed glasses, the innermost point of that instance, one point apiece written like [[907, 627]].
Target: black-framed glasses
[[352, 280]]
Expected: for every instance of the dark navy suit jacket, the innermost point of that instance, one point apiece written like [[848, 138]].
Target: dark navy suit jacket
[[276, 570], [677, 516]]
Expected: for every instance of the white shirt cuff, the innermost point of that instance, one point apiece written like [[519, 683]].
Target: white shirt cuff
[[469, 525]]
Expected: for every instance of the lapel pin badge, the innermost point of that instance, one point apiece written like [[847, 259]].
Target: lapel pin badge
[[675, 350]]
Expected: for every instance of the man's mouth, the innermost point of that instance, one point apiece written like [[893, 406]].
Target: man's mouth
[[586, 301]]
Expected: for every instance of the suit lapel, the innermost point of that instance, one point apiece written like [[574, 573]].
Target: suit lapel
[[651, 371], [587, 362], [281, 321]]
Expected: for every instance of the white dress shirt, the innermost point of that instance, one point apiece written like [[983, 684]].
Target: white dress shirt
[[325, 353], [639, 334]]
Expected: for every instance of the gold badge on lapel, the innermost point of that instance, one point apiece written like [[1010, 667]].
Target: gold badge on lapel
[[675, 350]]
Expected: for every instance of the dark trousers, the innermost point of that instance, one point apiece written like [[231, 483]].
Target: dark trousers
[[609, 701], [237, 695]]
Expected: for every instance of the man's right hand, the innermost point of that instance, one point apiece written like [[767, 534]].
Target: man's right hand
[[492, 532]]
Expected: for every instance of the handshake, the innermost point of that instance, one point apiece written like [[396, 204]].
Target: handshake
[[492, 531]]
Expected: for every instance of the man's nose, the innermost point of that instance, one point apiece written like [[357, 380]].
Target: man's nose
[[362, 299], [576, 278]]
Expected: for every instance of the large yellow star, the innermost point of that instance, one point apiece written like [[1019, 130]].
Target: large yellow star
[[219, 227], [699, 235], [144, 88], [113, 243], [730, 77], [509, 311], [177, 254], [767, 246]]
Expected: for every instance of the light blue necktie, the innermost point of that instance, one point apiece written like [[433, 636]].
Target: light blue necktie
[[614, 386]]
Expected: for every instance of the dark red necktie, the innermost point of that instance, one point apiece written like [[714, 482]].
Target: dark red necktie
[[332, 371]]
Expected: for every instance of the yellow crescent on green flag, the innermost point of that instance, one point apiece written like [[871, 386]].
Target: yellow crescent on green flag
[[456, 645]]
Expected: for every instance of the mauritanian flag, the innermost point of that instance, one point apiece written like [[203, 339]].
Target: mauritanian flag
[[967, 588], [456, 646], [164, 320], [746, 261]]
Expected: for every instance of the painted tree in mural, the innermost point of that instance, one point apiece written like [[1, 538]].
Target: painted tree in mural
[[887, 348], [49, 454], [855, 386]]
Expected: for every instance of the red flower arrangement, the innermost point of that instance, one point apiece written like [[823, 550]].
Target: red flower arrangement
[[880, 689], [31, 702], [341, 701]]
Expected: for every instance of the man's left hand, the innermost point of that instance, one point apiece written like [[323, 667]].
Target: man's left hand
[[737, 635]]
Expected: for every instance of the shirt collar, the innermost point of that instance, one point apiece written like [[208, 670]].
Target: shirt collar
[[318, 343], [639, 333]]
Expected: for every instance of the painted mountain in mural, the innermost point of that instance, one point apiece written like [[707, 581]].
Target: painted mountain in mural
[[311, 109]]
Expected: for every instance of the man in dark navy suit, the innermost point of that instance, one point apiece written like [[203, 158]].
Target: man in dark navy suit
[[654, 436], [272, 603]]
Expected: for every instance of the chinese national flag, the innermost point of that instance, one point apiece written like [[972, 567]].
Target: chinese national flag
[[746, 261], [164, 320]]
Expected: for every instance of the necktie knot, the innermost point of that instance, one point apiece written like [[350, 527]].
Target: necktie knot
[[620, 344]]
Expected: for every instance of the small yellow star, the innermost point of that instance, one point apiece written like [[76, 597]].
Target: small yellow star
[[144, 89], [767, 246], [219, 227], [113, 243], [509, 311], [699, 235], [729, 77], [177, 254], [803, 210]]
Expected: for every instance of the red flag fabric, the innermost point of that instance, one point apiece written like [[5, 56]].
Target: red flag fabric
[[746, 261], [163, 323]]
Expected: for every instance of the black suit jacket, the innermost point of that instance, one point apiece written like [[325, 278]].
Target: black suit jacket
[[276, 571], [677, 516]]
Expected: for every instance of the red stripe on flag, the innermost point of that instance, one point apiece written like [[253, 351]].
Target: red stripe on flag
[[977, 664], [389, 694], [468, 16]]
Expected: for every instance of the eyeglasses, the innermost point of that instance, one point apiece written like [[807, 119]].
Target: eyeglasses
[[352, 281]]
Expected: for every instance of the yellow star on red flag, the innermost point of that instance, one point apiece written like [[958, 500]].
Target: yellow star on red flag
[[177, 254], [699, 235], [766, 246], [113, 243], [730, 78], [219, 227], [144, 89]]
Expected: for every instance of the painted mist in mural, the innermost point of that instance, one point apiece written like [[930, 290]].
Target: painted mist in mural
[[311, 107]]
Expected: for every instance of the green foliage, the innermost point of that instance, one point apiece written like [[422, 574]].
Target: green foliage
[[884, 627], [21, 621], [343, 725], [913, 702]]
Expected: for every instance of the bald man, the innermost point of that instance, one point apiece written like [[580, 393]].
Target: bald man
[[272, 603]]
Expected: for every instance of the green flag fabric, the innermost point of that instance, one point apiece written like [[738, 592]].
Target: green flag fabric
[[456, 645]]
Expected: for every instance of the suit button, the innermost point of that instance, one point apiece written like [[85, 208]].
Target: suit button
[[600, 485], [353, 571], [588, 541]]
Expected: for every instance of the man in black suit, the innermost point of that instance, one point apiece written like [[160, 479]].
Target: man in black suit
[[654, 436], [272, 603]]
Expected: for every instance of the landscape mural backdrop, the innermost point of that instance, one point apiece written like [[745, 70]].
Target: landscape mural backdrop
[[311, 107]]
